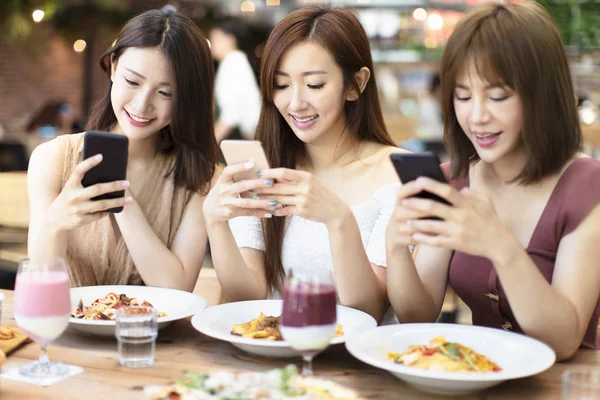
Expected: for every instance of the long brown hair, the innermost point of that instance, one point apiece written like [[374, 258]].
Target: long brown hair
[[340, 32], [190, 136], [518, 46]]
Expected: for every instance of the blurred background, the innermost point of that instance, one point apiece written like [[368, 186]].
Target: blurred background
[[49, 51], [50, 78]]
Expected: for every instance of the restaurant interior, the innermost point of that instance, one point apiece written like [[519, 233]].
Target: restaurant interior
[[50, 80]]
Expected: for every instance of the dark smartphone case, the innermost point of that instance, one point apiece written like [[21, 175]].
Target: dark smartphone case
[[114, 150], [410, 166]]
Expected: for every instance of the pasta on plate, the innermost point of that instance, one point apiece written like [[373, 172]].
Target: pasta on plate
[[266, 327], [105, 307], [441, 355]]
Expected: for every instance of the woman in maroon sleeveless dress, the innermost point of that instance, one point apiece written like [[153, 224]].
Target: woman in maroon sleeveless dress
[[520, 242]]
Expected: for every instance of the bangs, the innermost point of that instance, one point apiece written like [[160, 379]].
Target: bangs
[[488, 52]]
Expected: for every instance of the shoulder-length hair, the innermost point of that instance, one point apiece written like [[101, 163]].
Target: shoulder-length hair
[[340, 32], [190, 135], [517, 46]]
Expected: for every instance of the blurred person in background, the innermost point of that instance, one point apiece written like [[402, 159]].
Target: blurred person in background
[[430, 127], [160, 74], [236, 91], [519, 240], [324, 205]]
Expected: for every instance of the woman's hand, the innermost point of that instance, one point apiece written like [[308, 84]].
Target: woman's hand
[[74, 208], [399, 233], [224, 202], [302, 194], [470, 224]]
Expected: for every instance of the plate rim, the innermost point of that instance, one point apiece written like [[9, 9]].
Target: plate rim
[[354, 342], [202, 304], [234, 339]]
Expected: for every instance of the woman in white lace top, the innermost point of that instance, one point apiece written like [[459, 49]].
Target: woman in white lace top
[[325, 205]]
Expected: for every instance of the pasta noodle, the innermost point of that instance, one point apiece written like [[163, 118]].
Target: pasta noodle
[[266, 328], [441, 355], [105, 307]]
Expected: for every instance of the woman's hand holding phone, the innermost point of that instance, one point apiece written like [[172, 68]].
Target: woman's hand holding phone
[[470, 224], [303, 195], [74, 208], [224, 201]]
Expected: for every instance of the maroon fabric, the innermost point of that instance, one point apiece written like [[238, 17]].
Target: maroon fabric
[[475, 280]]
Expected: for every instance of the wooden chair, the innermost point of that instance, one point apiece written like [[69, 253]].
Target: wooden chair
[[14, 218]]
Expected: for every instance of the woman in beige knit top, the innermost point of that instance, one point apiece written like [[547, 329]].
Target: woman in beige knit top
[[160, 98]]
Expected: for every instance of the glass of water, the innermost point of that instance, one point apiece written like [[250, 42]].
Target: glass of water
[[581, 384], [136, 332]]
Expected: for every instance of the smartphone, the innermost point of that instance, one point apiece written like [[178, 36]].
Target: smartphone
[[410, 166], [240, 151], [114, 150]]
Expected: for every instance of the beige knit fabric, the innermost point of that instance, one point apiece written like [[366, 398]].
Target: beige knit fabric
[[96, 252]]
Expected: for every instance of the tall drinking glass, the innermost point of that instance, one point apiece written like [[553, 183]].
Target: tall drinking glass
[[42, 310], [309, 316]]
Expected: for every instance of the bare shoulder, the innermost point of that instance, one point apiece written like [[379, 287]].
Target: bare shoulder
[[383, 168], [45, 167], [46, 158]]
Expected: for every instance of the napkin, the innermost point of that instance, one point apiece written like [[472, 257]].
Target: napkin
[[13, 374]]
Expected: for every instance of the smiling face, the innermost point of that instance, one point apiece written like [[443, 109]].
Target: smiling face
[[490, 114], [142, 93], [310, 93]]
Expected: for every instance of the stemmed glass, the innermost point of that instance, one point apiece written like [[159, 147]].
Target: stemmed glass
[[42, 310], [309, 316]]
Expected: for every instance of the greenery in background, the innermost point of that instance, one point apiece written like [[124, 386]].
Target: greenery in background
[[72, 19], [578, 22]]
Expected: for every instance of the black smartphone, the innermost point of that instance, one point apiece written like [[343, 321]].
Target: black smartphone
[[114, 149], [410, 166]]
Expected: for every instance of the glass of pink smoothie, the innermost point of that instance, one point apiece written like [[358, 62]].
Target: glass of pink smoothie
[[309, 316], [42, 310]]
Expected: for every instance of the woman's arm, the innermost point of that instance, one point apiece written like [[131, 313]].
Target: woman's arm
[[241, 272], [176, 267], [359, 283], [43, 186], [53, 211], [558, 313]]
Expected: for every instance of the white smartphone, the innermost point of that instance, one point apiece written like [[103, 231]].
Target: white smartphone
[[240, 151]]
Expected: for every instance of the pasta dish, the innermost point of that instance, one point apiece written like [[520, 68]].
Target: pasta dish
[[105, 307], [441, 355], [266, 327]]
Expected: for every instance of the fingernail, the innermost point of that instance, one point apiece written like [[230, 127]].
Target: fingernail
[[273, 212], [125, 184], [268, 215], [269, 182], [273, 203], [259, 173], [249, 164], [256, 197], [98, 157], [128, 199], [421, 181]]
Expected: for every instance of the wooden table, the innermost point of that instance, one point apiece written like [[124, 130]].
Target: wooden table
[[180, 347]]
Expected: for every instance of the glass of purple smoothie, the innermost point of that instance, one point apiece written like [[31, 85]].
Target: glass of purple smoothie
[[309, 316], [42, 310]]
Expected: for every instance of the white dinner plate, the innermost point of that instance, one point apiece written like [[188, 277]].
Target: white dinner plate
[[518, 355], [176, 303], [217, 322]]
